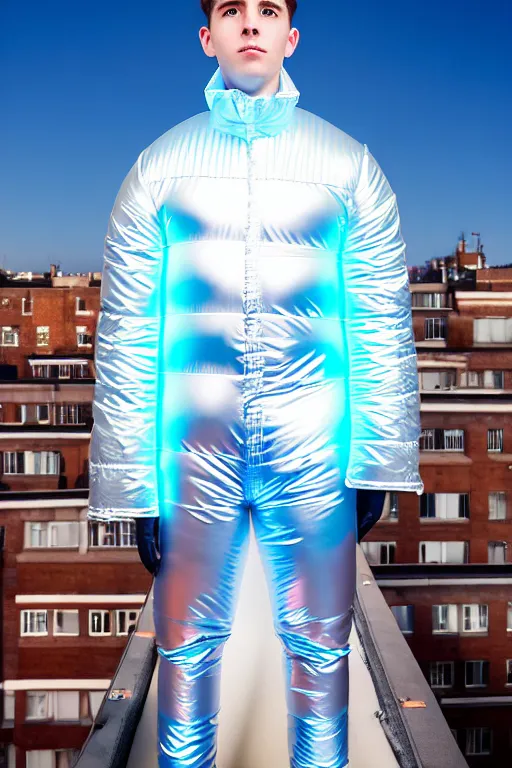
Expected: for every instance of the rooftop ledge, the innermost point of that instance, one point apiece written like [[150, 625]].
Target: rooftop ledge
[[395, 719]]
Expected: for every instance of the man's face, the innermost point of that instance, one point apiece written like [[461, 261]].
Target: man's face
[[250, 39]]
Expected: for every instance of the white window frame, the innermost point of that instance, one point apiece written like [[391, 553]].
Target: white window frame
[[477, 615], [120, 531], [42, 329], [75, 410], [497, 546], [443, 504], [443, 552], [128, 621], [81, 332], [446, 380], [492, 330], [450, 439], [10, 330], [24, 301], [49, 531], [497, 504], [38, 410], [451, 610], [79, 311], [73, 611], [435, 329], [439, 667], [385, 547], [495, 440], [8, 461], [509, 617], [29, 611], [103, 613]]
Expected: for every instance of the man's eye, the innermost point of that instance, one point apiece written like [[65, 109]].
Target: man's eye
[[268, 12], [231, 12]]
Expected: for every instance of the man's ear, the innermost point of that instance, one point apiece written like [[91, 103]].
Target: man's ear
[[293, 41], [205, 36]]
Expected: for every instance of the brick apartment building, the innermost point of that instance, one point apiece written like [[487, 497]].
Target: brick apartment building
[[69, 600], [443, 560]]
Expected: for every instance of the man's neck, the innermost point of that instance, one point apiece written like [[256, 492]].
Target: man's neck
[[269, 88]]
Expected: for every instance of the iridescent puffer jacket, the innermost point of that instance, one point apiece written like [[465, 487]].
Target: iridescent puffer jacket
[[253, 251]]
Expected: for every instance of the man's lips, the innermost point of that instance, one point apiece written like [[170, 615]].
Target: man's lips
[[251, 48]]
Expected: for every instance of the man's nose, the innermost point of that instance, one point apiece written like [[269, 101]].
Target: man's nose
[[250, 31]]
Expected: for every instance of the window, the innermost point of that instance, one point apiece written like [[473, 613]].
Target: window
[[9, 703], [126, 621], [70, 414], [20, 414], [99, 623], [34, 623], [43, 414], [509, 671], [31, 463], [27, 306], [404, 615], [61, 371], [441, 674], [444, 551], [52, 534], [477, 674], [478, 741], [441, 380], [445, 619], [476, 618], [428, 300], [442, 440], [509, 618], [495, 440], [95, 702], [113, 534], [393, 505], [82, 337], [435, 328], [494, 380], [42, 335], [80, 306], [66, 623], [10, 336], [444, 506], [40, 758], [498, 505], [14, 463], [497, 552], [379, 552], [53, 705], [492, 330], [37, 705]]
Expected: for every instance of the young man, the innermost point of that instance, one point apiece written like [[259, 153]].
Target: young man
[[255, 357]]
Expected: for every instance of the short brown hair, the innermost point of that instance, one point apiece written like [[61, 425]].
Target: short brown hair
[[207, 6]]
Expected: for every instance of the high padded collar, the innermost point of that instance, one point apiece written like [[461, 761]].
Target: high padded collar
[[251, 117]]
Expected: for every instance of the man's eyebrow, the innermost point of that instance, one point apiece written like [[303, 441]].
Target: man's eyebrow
[[230, 3]]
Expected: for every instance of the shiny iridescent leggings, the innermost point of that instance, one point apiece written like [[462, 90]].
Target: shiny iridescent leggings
[[305, 523]]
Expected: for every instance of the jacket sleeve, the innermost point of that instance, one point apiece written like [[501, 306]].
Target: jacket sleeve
[[123, 457], [383, 375]]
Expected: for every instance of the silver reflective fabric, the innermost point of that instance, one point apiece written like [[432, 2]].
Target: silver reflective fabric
[[255, 358]]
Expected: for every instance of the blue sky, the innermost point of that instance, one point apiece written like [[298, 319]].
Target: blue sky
[[87, 85]]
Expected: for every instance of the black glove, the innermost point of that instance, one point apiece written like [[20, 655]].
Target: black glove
[[147, 529], [370, 504]]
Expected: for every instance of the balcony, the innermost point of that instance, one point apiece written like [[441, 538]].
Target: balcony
[[395, 719]]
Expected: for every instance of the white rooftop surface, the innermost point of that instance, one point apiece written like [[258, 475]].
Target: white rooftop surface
[[253, 719]]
